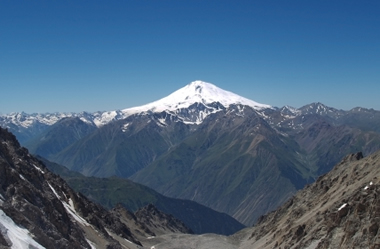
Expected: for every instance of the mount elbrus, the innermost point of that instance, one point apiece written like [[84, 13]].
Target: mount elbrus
[[205, 144]]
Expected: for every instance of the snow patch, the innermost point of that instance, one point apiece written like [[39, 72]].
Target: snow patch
[[124, 128], [341, 207], [40, 170], [366, 187], [129, 241], [92, 244], [20, 237], [105, 118], [161, 122], [85, 120], [70, 209], [54, 191]]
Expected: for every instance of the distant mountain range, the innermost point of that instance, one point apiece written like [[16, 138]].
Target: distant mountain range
[[205, 95], [205, 144], [39, 210]]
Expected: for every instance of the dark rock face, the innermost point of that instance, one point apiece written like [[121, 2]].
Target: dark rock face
[[43, 203]]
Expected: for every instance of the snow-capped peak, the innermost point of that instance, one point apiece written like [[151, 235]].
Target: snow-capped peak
[[195, 92]]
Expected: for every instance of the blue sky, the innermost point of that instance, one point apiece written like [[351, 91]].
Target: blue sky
[[72, 56]]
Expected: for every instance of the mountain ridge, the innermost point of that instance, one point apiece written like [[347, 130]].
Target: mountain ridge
[[189, 143], [206, 97], [39, 210], [194, 92], [339, 210]]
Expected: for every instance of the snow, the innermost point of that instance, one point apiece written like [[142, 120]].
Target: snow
[[124, 128], [128, 241], [293, 110], [105, 118], [366, 187], [85, 120], [92, 244], [20, 237], [40, 170], [54, 191], [345, 204], [26, 120], [195, 92], [70, 209], [161, 122]]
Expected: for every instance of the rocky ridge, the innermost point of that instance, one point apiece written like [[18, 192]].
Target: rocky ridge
[[340, 210], [34, 200]]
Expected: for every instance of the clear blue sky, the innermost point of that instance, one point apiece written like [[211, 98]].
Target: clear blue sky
[[105, 55]]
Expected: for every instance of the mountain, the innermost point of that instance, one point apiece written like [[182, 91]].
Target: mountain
[[233, 162], [39, 210], [209, 145], [204, 94], [258, 160], [199, 92], [340, 210], [135, 141], [113, 192], [59, 136]]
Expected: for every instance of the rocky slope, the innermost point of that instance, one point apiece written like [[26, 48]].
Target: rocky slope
[[39, 210], [340, 210]]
